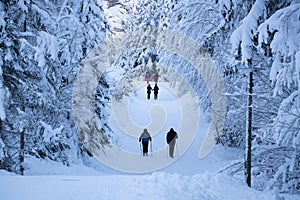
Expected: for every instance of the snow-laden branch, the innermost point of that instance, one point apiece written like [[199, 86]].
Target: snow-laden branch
[[2, 21], [47, 45], [244, 34], [284, 24]]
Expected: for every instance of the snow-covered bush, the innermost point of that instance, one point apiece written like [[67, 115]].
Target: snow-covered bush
[[284, 154]]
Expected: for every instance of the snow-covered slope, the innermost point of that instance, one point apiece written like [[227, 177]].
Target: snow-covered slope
[[158, 186], [188, 177]]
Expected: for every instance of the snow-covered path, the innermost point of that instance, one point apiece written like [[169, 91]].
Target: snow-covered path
[[158, 186], [133, 114], [185, 178]]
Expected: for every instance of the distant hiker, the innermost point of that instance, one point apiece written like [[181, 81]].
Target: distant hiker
[[148, 77], [171, 140], [145, 138], [149, 88], [156, 88], [156, 77]]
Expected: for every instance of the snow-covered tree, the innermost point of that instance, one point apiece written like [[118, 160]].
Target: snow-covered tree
[[266, 37], [43, 47], [43, 44], [2, 89]]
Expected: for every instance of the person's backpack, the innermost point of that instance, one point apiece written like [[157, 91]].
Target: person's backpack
[[170, 137], [145, 139]]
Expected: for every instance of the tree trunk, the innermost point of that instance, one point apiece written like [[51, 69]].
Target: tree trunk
[[249, 131], [21, 156]]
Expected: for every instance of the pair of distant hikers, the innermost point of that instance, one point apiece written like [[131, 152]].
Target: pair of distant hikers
[[171, 137], [155, 89]]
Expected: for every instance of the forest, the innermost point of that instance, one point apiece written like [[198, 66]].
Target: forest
[[254, 44]]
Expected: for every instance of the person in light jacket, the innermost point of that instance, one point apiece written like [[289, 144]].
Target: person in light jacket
[[145, 138]]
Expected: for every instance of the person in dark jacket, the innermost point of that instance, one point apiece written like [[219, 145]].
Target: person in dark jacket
[[155, 89], [171, 140], [149, 88], [145, 138]]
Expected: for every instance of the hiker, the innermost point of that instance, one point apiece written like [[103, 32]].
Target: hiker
[[171, 140], [156, 77], [149, 88], [155, 91], [148, 77], [145, 138]]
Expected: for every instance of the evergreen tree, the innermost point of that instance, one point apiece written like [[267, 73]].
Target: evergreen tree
[[43, 47], [259, 40]]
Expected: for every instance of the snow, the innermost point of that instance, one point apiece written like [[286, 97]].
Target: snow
[[284, 45], [2, 21], [246, 31], [2, 145], [156, 114], [286, 137], [47, 45], [21, 4], [187, 177], [225, 3], [41, 12], [154, 186], [298, 67], [49, 133], [116, 15], [158, 185]]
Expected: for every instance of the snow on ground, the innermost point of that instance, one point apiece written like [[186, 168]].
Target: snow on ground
[[134, 113], [153, 186], [188, 177]]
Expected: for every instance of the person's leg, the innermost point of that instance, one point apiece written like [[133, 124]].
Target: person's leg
[[144, 148], [171, 148], [147, 145]]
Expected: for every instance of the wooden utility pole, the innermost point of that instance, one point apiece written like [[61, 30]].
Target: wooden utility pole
[[249, 129]]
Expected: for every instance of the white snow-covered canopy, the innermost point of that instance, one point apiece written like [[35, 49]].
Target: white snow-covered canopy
[[285, 23], [244, 34]]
